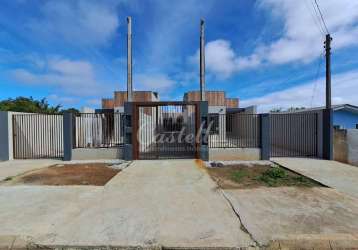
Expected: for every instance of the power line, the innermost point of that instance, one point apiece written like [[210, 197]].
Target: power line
[[317, 23], [317, 18], [316, 78], [320, 13]]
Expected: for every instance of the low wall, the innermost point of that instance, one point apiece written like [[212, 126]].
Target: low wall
[[345, 146], [97, 153], [352, 138], [230, 154]]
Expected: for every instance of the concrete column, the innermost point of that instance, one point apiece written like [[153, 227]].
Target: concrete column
[[128, 130], [203, 148], [265, 136], [5, 136], [68, 123], [327, 134]]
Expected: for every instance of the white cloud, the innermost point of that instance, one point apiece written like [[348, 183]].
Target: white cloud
[[155, 82], [300, 40], [77, 22], [69, 76], [343, 91], [222, 61]]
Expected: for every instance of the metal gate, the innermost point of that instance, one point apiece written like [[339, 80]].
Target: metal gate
[[37, 136], [294, 135], [165, 130]]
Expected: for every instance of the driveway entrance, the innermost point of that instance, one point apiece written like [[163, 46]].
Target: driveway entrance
[[165, 130], [342, 177]]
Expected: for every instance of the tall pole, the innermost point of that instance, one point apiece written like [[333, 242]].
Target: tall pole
[[129, 60], [328, 71], [202, 60], [328, 113]]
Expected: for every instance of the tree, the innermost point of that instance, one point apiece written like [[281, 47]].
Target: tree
[[277, 110], [70, 110], [29, 105]]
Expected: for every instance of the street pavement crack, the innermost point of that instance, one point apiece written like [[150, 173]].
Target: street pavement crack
[[242, 227]]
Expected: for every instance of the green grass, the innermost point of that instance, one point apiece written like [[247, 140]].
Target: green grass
[[272, 177], [277, 176], [238, 175], [8, 178]]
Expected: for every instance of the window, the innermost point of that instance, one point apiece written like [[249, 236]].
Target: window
[[171, 124], [213, 124]]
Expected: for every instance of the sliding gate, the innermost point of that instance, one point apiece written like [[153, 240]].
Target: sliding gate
[[294, 135], [37, 136], [165, 130]]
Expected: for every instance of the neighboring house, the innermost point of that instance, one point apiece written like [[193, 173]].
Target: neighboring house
[[345, 116]]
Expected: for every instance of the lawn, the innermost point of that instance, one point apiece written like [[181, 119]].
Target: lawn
[[243, 176]]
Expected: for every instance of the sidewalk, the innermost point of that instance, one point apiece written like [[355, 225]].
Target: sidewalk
[[342, 177]]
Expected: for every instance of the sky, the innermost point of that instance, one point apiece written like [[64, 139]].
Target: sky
[[267, 53]]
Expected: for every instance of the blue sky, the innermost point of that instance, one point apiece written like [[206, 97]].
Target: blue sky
[[266, 52]]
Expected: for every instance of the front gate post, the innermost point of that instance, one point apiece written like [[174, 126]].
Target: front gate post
[[6, 136], [203, 122], [68, 124], [128, 131], [265, 131]]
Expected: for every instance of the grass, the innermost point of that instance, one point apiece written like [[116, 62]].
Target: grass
[[9, 178], [277, 176], [240, 176]]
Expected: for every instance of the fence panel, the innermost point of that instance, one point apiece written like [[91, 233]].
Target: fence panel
[[99, 130], [294, 135], [234, 130], [37, 136]]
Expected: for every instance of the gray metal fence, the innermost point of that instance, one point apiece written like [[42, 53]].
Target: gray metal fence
[[234, 130], [37, 136], [98, 130], [294, 135]]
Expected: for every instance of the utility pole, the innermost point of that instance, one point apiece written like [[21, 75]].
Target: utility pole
[[328, 71], [202, 60], [129, 60], [328, 113]]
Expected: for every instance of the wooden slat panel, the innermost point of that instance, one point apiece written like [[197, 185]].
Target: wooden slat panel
[[107, 103], [232, 102], [120, 97], [214, 98]]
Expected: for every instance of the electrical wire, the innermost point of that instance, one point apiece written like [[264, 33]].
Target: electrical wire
[[322, 18], [316, 78], [315, 18]]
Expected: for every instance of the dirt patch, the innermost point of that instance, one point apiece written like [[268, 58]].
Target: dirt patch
[[97, 174], [243, 176]]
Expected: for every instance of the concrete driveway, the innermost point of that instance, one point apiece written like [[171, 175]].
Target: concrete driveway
[[302, 216], [342, 177], [150, 203]]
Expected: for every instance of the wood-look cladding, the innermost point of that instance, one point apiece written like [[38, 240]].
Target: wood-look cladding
[[120, 97], [107, 103], [214, 98], [232, 102]]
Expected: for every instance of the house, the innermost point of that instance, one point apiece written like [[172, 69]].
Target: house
[[116, 103], [345, 116]]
